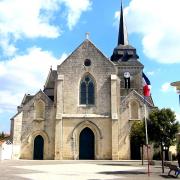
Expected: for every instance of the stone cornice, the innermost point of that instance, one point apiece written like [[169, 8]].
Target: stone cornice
[[84, 116]]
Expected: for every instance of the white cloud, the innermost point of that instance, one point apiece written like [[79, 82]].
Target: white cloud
[[24, 74], [165, 87], [75, 9], [157, 22], [150, 73], [32, 19]]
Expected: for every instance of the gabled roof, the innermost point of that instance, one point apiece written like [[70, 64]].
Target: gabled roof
[[148, 100], [12, 118], [41, 92], [50, 81], [26, 98], [87, 43]]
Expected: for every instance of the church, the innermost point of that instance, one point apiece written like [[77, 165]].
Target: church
[[86, 108]]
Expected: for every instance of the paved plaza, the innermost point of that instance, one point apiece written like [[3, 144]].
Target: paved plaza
[[78, 170]]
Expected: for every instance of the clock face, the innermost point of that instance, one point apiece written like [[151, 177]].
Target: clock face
[[126, 74]]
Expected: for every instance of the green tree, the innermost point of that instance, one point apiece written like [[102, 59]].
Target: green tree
[[2, 135], [163, 127], [138, 134]]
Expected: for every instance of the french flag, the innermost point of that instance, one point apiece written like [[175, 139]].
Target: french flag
[[146, 86]]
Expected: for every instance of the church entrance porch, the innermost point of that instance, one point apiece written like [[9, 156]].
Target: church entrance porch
[[86, 144], [38, 148]]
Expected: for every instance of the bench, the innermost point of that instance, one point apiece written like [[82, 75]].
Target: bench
[[173, 168]]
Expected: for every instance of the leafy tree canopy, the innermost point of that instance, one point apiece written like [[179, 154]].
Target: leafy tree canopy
[[162, 126], [2, 135], [138, 132]]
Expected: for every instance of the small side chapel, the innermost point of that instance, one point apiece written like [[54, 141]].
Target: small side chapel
[[86, 108]]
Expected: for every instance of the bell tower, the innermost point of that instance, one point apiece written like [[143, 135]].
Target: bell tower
[[126, 59]]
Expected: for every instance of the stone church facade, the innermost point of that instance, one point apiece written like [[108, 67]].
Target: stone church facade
[[86, 108]]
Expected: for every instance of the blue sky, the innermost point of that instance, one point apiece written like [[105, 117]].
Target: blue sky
[[37, 34]]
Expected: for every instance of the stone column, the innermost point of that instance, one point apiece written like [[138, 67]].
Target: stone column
[[59, 120], [114, 115]]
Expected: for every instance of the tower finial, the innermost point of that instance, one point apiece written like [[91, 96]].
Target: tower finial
[[122, 36]]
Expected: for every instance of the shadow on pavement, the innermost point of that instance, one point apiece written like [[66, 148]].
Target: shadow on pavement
[[16, 173], [115, 164], [168, 176], [121, 172], [104, 179]]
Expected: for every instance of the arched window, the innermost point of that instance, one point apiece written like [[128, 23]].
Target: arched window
[[134, 110], [87, 91], [40, 109]]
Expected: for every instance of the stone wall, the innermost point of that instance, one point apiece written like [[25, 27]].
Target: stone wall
[[32, 126]]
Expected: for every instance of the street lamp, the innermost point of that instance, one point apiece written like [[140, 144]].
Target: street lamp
[[163, 147], [163, 150], [162, 156]]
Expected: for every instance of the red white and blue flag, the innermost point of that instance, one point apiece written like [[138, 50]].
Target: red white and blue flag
[[146, 86]]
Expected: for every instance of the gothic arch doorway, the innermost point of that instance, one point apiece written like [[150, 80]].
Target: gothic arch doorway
[[38, 148], [86, 144]]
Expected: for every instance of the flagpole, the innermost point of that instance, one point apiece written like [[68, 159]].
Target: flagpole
[[147, 146]]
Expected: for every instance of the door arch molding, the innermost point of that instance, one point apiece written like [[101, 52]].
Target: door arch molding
[[97, 138], [46, 142]]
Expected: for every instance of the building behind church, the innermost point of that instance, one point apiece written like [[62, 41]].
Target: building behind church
[[86, 108]]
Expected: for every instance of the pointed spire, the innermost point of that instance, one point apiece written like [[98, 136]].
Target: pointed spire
[[122, 37]]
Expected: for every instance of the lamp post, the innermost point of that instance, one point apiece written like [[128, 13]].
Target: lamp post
[[162, 148], [162, 156]]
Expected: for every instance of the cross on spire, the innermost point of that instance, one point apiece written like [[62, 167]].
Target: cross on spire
[[87, 35]]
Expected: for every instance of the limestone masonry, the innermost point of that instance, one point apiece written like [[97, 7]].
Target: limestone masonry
[[86, 108]]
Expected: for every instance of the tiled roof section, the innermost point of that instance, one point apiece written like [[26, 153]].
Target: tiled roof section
[[130, 63], [27, 98], [50, 82], [148, 100], [124, 54]]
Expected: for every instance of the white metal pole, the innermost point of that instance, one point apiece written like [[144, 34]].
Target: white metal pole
[[147, 146], [145, 119]]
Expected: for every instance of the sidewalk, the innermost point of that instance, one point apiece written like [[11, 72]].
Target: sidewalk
[[79, 170]]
